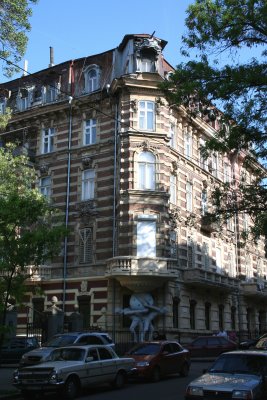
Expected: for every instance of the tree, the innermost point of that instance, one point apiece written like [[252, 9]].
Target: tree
[[230, 30], [30, 228], [14, 25]]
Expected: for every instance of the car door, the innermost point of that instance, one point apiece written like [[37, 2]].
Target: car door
[[214, 346], [94, 367], [177, 357], [109, 364], [198, 348], [167, 359]]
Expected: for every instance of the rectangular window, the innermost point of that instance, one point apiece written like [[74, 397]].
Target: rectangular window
[[189, 196], [215, 165], [173, 189], [187, 145], [50, 93], [85, 245], [48, 140], [204, 202], [89, 133], [146, 238], [45, 186], [203, 161], [88, 184], [218, 260], [227, 173], [173, 245], [147, 115], [172, 135]]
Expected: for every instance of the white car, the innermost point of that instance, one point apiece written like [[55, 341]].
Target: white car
[[63, 339], [236, 375], [71, 368]]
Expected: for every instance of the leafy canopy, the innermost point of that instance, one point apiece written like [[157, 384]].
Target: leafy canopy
[[14, 26], [221, 39], [30, 228]]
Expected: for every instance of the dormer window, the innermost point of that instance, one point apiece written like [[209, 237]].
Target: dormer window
[[23, 99], [91, 79], [51, 92], [147, 61]]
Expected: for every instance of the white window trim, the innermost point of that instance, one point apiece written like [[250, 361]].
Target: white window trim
[[44, 188], [88, 184], [91, 85], [173, 189], [89, 130], [144, 111], [146, 172], [48, 135], [189, 196]]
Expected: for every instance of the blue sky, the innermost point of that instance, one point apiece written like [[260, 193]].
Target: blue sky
[[85, 27]]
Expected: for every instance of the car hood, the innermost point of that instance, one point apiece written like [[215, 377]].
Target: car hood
[[40, 351], [216, 381], [58, 365], [138, 358]]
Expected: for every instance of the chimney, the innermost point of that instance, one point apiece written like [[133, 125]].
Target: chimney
[[51, 57], [25, 68]]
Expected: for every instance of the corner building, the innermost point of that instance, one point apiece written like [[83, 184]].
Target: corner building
[[126, 171]]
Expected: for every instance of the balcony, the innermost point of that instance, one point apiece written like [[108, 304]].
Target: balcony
[[40, 273], [142, 274], [254, 288], [209, 279]]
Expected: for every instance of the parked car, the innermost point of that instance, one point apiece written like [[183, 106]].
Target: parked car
[[249, 343], [71, 368], [156, 359], [210, 346], [235, 375], [261, 344], [13, 348], [63, 339]]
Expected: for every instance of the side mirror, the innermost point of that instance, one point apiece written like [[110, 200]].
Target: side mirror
[[88, 359]]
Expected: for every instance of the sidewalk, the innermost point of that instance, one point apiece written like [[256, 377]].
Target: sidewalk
[[7, 390]]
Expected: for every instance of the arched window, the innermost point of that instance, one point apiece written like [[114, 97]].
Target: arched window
[[92, 79], [146, 171]]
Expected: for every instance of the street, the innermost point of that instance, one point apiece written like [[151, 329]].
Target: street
[[171, 388]]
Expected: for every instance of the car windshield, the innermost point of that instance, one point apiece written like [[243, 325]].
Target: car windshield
[[67, 355], [61, 340], [146, 349], [240, 363]]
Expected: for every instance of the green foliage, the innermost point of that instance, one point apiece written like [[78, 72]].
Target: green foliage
[[228, 30], [14, 25], [4, 118], [31, 231]]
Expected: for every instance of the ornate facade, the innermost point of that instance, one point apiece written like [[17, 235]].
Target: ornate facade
[[126, 170]]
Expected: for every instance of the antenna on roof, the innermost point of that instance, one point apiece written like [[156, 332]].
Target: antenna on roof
[[152, 34]]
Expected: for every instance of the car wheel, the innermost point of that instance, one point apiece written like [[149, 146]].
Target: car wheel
[[119, 381], [184, 370], [155, 377], [71, 389]]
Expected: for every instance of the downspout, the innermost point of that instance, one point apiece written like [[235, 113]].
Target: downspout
[[114, 222], [68, 189]]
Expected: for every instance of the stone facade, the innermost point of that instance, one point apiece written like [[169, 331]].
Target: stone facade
[[125, 168]]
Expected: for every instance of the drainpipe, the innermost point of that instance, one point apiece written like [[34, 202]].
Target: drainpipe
[[68, 193], [114, 224]]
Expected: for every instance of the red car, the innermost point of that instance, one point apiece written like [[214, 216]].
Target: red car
[[210, 346], [156, 359]]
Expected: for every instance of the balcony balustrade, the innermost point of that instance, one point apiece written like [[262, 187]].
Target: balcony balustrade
[[209, 278], [254, 287], [39, 273]]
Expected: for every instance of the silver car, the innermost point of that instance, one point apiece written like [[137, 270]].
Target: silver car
[[63, 339], [71, 368], [236, 375]]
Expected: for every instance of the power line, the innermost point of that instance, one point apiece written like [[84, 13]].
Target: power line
[[94, 108]]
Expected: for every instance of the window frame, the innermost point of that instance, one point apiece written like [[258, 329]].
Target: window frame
[[89, 130], [85, 245], [189, 196], [45, 189], [48, 136], [146, 123], [146, 170], [88, 184]]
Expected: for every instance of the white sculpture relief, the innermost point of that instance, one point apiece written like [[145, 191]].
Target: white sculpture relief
[[142, 312]]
